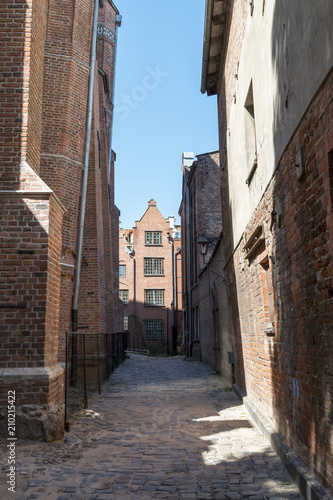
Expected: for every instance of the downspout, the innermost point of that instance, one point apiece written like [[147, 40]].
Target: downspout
[[189, 348], [85, 168], [176, 295], [132, 255], [134, 282], [173, 304], [173, 333], [118, 24]]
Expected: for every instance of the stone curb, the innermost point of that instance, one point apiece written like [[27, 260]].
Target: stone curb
[[307, 483]]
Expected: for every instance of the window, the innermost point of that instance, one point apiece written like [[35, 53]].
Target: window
[[153, 238], [267, 290], [126, 322], [122, 271], [250, 135], [154, 297], [123, 295], [153, 266], [154, 329]]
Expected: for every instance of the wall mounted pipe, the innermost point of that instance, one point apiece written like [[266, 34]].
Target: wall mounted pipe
[[85, 167]]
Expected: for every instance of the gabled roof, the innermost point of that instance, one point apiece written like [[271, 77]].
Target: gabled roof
[[151, 204]]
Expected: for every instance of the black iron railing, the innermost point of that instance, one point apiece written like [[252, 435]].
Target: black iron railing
[[90, 359]]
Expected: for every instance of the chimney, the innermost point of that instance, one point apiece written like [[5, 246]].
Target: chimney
[[171, 221], [187, 160]]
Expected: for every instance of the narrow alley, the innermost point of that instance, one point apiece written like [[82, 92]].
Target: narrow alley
[[162, 428]]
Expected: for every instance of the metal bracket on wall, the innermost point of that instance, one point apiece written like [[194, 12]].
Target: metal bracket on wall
[[276, 214]]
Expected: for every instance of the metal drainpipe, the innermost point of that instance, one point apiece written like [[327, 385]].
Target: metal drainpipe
[[118, 24], [134, 299], [85, 168], [134, 283], [189, 272]]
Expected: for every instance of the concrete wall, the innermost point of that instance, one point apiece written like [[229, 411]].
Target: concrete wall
[[275, 38]]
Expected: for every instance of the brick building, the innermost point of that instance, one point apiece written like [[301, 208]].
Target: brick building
[[201, 223], [270, 65], [150, 282], [48, 96]]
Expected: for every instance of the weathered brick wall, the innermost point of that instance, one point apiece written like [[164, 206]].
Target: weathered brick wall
[[30, 290], [289, 376], [209, 207], [204, 183], [64, 115], [99, 289], [66, 73], [45, 81]]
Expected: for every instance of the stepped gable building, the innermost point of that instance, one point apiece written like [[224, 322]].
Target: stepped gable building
[[150, 282], [51, 86], [270, 66]]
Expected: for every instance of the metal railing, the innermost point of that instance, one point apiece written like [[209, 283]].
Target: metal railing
[[90, 359]]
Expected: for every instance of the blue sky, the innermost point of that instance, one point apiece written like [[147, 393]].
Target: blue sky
[[159, 109]]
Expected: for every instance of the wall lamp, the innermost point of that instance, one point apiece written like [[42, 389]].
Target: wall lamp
[[203, 242]]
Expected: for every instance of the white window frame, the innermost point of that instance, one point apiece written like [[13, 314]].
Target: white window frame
[[122, 275]]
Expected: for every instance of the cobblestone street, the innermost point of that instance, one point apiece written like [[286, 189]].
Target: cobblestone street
[[162, 428]]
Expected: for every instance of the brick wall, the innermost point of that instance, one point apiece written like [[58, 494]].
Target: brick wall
[[45, 81], [289, 375], [64, 114], [152, 220], [279, 271], [205, 221]]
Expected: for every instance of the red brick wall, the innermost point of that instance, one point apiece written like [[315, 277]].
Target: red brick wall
[[66, 63], [30, 288], [23, 38], [38, 34], [53, 283], [152, 220], [23, 281], [66, 73], [45, 75]]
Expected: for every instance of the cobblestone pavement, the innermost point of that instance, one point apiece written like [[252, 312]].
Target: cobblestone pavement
[[162, 428]]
